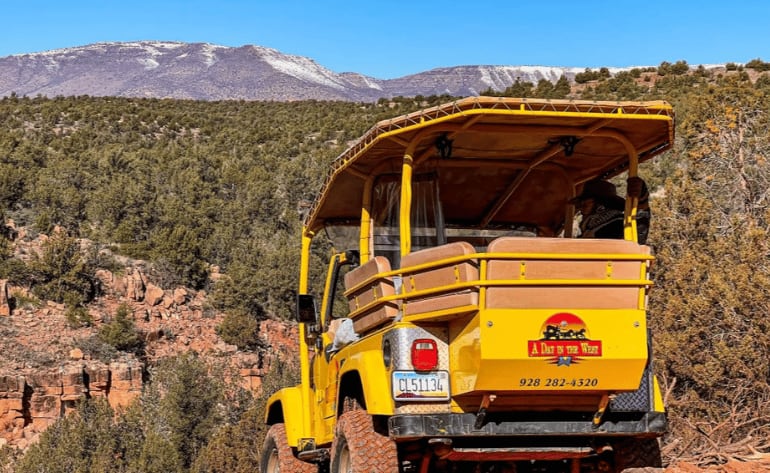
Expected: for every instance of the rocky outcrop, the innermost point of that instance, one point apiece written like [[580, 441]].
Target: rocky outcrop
[[124, 383], [30, 403], [12, 412], [47, 364]]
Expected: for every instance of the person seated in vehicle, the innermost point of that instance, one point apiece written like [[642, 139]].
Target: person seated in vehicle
[[602, 209]]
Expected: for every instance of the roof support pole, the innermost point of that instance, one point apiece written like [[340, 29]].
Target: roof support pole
[[304, 260], [365, 235], [304, 355], [630, 232], [405, 210]]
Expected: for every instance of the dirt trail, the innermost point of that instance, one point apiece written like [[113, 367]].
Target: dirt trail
[[733, 466]]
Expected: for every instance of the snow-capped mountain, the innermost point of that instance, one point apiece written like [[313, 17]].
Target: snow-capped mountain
[[209, 72]]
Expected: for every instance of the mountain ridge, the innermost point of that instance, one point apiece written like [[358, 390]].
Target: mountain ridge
[[204, 71]]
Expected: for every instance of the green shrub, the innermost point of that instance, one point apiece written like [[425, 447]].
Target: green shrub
[[20, 300], [758, 65], [679, 68], [6, 249], [78, 317], [9, 456], [15, 271], [97, 349], [178, 257], [585, 76], [61, 273], [589, 75], [158, 455], [120, 332], [240, 328]]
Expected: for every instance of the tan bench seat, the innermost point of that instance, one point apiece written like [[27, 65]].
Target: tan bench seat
[[444, 275], [565, 296], [378, 312]]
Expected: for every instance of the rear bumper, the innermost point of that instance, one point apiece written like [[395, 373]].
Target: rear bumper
[[647, 424]]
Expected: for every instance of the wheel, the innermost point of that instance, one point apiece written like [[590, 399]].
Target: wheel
[[637, 454], [357, 448], [277, 456]]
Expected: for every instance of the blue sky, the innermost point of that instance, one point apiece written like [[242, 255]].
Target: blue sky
[[393, 38]]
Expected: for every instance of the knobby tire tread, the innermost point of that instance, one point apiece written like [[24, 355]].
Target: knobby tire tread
[[287, 462], [370, 452]]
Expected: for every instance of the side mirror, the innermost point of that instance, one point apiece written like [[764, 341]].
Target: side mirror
[[306, 310]]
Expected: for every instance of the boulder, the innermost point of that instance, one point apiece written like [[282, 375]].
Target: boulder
[[120, 286], [106, 278], [168, 301], [76, 354], [135, 286], [153, 294], [180, 295]]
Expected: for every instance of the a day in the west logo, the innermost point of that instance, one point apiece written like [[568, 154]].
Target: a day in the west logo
[[565, 341]]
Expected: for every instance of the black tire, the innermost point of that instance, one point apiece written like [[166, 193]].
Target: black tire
[[278, 457], [637, 454], [357, 448]]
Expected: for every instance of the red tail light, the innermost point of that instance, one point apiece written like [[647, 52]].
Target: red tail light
[[424, 354]]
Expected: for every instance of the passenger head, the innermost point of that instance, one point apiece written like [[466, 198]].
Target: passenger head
[[597, 192]]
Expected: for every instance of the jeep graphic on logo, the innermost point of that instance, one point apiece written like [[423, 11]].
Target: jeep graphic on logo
[[565, 341]]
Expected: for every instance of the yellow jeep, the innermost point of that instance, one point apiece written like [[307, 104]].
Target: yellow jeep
[[466, 327]]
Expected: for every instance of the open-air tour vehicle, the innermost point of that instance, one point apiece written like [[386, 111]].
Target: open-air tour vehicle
[[467, 328]]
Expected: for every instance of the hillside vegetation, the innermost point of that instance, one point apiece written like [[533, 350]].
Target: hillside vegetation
[[186, 185]]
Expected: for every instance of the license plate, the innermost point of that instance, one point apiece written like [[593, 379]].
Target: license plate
[[415, 386]]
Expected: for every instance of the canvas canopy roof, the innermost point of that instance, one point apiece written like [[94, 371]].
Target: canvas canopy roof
[[499, 160]]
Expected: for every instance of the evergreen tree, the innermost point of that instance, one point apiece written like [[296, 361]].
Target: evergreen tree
[[562, 88], [62, 273], [185, 410], [120, 332]]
